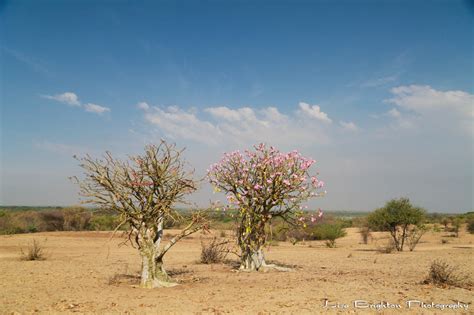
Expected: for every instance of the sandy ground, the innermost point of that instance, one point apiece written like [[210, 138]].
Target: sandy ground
[[78, 276]]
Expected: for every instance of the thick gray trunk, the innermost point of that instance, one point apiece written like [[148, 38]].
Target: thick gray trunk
[[252, 260], [256, 261], [153, 274]]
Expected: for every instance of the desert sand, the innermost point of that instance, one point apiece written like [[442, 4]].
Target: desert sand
[[88, 272]]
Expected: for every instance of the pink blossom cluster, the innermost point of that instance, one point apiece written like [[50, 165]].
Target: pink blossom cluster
[[265, 178], [139, 180], [312, 218]]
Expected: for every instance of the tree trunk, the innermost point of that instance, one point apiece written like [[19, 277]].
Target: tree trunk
[[153, 273], [404, 235], [252, 260], [396, 241]]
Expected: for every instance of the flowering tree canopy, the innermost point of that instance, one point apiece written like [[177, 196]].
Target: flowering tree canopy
[[143, 191], [264, 184]]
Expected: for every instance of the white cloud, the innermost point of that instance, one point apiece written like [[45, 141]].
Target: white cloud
[[228, 114], [97, 109], [72, 99], [423, 99], [272, 114], [349, 126], [68, 98], [399, 120], [239, 126], [442, 109], [313, 111], [143, 106], [178, 123]]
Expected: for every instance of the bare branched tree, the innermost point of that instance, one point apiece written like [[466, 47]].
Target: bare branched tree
[[143, 191]]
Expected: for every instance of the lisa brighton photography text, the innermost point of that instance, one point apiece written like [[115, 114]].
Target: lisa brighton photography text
[[409, 304]]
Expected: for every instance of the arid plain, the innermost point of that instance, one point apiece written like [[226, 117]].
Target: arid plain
[[88, 272]]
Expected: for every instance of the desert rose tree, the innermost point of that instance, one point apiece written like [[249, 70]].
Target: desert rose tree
[[143, 191], [264, 184]]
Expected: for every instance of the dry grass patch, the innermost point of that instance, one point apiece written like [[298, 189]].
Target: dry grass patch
[[215, 251], [444, 275], [35, 251]]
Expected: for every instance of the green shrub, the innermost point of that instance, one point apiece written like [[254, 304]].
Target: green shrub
[[318, 231], [365, 234], [456, 226], [327, 231], [470, 225], [399, 218]]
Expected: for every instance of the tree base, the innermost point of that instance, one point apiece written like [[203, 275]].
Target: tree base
[[158, 284], [264, 267], [155, 276], [256, 262]]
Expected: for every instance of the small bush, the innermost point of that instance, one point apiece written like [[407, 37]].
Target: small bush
[[317, 231], [214, 252], [444, 241], [457, 222], [365, 234], [295, 235], [34, 252], [470, 225], [329, 232], [445, 221], [442, 274]]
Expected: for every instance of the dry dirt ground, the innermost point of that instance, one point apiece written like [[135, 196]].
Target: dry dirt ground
[[86, 272]]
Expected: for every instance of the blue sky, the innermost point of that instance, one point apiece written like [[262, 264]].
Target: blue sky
[[380, 93]]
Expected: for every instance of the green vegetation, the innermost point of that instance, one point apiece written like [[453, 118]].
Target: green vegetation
[[30, 220], [470, 224], [330, 229], [402, 220], [14, 220]]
